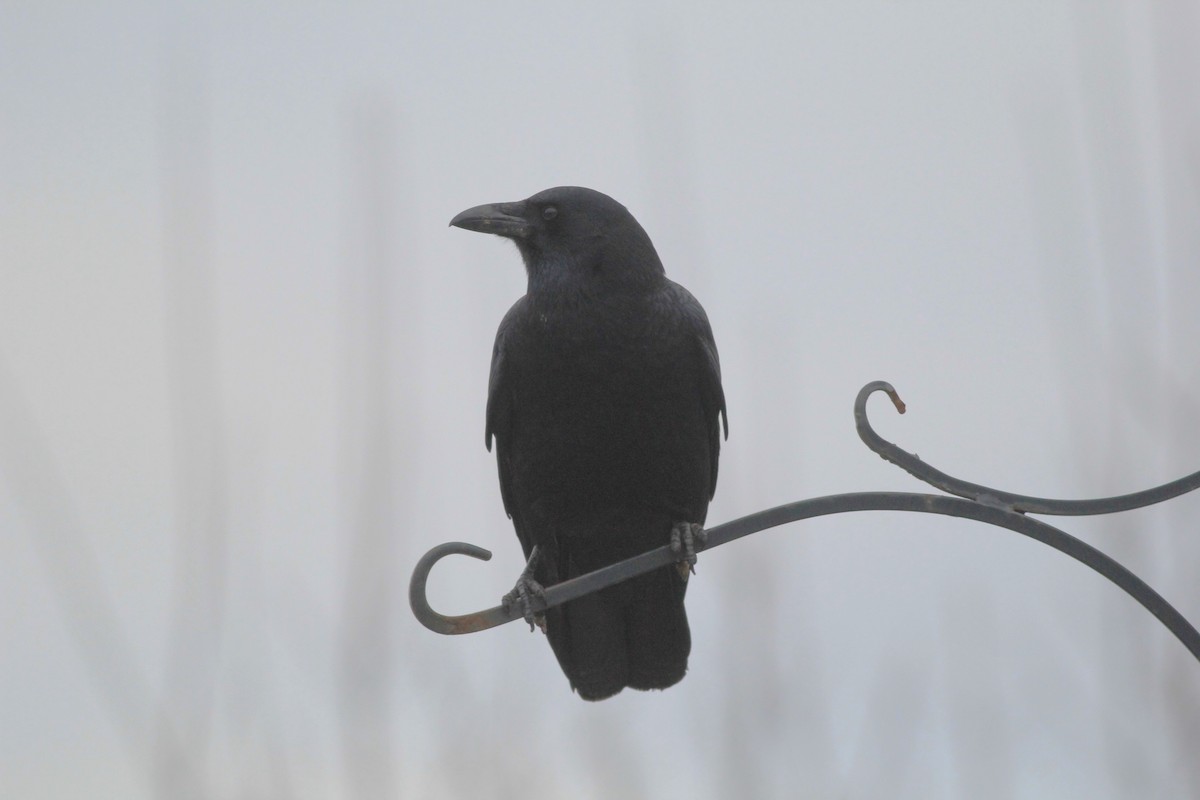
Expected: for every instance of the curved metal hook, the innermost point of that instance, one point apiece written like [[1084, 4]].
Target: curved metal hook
[[912, 464], [974, 501], [438, 623]]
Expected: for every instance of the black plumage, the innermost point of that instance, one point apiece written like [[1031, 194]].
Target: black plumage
[[605, 404]]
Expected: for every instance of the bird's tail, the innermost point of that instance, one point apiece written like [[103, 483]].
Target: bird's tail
[[633, 634]]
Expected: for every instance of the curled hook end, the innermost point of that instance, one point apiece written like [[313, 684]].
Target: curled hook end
[[860, 404], [420, 604], [865, 432]]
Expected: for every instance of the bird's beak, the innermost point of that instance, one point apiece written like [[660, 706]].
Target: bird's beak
[[502, 219]]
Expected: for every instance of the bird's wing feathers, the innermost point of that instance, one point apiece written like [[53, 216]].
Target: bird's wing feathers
[[711, 393], [499, 420]]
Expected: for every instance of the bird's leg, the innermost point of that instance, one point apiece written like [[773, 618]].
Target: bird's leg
[[526, 591], [684, 537]]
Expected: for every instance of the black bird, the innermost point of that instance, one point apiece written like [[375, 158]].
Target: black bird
[[605, 403]]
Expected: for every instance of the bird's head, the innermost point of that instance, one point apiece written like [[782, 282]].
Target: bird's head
[[571, 236]]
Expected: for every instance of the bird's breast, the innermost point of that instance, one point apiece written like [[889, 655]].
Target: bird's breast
[[606, 412]]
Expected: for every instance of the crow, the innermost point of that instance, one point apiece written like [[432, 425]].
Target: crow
[[606, 406]]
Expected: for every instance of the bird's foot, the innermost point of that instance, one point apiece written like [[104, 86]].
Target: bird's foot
[[684, 538], [525, 593]]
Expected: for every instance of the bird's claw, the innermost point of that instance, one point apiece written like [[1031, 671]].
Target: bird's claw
[[684, 538], [525, 593], [523, 596]]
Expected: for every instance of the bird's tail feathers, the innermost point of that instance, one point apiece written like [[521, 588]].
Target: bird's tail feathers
[[633, 634]]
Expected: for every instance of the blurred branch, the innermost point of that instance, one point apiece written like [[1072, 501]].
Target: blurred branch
[[196, 610], [368, 643], [73, 571]]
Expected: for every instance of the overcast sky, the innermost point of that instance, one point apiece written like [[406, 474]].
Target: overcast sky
[[243, 369]]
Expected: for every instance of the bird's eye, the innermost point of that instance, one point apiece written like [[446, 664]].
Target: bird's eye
[[549, 213]]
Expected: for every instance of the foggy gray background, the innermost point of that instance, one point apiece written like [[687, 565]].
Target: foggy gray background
[[243, 367]]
